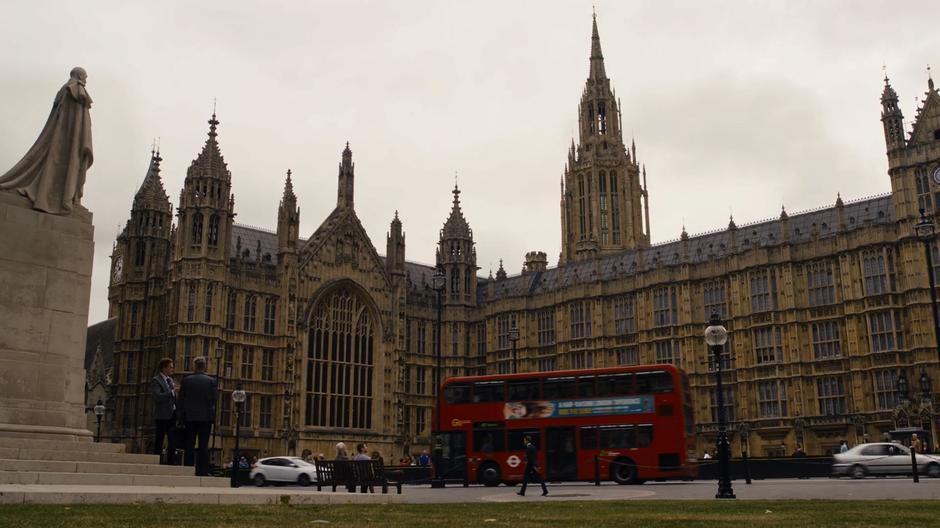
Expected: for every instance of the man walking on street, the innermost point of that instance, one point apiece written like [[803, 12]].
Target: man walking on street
[[197, 403], [531, 467], [163, 390]]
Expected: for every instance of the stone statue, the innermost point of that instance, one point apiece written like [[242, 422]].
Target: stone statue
[[52, 173]]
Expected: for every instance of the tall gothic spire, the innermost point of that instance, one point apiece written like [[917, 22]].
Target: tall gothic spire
[[289, 195], [597, 58], [346, 187]]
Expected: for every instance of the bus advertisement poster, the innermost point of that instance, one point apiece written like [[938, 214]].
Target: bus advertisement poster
[[572, 408]]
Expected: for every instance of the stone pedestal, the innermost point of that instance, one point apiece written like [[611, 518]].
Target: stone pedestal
[[45, 284]]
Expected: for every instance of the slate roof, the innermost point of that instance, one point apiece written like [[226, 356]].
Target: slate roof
[[819, 223]]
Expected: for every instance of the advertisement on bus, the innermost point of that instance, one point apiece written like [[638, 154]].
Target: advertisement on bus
[[517, 410]]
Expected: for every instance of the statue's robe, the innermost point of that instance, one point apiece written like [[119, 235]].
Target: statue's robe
[[52, 173]]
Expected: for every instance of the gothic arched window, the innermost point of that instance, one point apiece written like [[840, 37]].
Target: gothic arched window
[[340, 360], [213, 230], [197, 230]]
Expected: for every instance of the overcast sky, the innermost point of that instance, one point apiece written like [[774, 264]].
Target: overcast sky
[[735, 106]]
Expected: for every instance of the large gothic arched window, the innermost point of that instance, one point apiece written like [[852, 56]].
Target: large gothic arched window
[[340, 363]]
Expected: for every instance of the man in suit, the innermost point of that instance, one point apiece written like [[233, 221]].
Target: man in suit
[[531, 467], [164, 391], [197, 397]]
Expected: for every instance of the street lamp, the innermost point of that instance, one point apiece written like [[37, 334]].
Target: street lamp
[[238, 397], [716, 336], [438, 280], [902, 387], [98, 409], [218, 385], [925, 230], [924, 385], [513, 337]]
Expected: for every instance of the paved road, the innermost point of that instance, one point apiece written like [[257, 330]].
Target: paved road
[[820, 488]]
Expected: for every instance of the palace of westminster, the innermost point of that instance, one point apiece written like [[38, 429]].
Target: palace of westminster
[[334, 341]]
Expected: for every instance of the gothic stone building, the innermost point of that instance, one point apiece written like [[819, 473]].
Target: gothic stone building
[[334, 341]]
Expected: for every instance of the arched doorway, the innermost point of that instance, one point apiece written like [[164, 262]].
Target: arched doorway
[[340, 361]]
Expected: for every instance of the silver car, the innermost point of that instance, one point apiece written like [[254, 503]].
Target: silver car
[[882, 458], [283, 469]]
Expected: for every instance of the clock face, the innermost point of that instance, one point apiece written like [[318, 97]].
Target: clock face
[[118, 270], [936, 175]]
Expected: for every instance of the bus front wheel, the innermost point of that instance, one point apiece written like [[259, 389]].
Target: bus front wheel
[[623, 471], [489, 475]]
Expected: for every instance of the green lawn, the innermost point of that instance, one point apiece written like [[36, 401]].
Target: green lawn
[[726, 514]]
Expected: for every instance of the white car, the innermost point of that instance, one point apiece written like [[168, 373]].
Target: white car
[[283, 469], [882, 458]]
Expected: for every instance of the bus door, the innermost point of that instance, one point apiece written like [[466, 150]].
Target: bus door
[[454, 455], [561, 457]]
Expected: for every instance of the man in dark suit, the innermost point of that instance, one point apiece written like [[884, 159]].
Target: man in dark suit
[[531, 467], [197, 403], [164, 390]]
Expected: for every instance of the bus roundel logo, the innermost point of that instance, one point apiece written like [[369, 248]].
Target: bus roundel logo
[[513, 461]]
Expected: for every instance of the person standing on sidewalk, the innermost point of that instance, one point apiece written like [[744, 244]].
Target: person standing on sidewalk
[[197, 402], [163, 391], [531, 467]]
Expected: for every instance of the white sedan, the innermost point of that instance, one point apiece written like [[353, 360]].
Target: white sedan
[[283, 469], [882, 458]]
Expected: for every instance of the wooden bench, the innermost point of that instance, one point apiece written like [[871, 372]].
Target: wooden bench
[[353, 473]]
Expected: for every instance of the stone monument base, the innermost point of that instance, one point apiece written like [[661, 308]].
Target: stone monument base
[[45, 284]]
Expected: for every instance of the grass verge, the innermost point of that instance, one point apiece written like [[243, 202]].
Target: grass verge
[[595, 514]]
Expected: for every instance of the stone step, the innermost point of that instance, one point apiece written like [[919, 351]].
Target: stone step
[[64, 494], [29, 453], [108, 479], [71, 466], [61, 445]]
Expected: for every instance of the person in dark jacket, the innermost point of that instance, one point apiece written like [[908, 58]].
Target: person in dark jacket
[[196, 402], [163, 390], [531, 467]]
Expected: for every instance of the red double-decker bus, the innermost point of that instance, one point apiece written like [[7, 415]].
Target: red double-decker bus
[[637, 422]]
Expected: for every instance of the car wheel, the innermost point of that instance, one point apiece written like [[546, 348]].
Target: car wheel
[[303, 479], [623, 471], [933, 470], [858, 472], [489, 475], [259, 480]]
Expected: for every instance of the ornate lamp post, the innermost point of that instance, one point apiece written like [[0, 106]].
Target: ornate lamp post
[[218, 383], [98, 409], [513, 337], [437, 283], [925, 230], [238, 397], [904, 401], [744, 430], [716, 336]]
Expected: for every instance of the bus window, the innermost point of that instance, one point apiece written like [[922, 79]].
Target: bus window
[[489, 440], [589, 438], [606, 385], [523, 390], [488, 391], [617, 437], [517, 438], [457, 393], [558, 388], [650, 382], [586, 387], [644, 435]]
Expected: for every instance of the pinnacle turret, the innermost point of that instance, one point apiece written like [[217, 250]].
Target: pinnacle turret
[[456, 225]]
